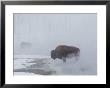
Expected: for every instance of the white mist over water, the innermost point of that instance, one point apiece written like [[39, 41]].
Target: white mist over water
[[38, 34]]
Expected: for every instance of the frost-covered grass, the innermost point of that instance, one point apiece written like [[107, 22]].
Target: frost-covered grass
[[48, 66]]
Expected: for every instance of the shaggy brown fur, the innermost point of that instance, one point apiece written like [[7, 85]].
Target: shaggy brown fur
[[63, 51]]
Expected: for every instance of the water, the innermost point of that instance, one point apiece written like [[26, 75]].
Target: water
[[47, 66]]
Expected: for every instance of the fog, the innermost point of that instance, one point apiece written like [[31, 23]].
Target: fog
[[38, 34]]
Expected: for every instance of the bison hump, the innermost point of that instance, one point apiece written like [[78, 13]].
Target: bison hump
[[60, 47]]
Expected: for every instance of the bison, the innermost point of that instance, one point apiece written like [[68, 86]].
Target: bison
[[64, 51]]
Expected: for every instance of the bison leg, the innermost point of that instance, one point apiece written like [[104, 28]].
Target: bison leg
[[64, 59], [77, 58], [77, 55]]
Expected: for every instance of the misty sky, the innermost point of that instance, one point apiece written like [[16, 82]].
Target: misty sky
[[38, 34]]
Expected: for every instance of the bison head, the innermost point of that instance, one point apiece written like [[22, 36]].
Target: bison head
[[53, 54]]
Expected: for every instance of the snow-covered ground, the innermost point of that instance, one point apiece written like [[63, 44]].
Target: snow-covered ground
[[48, 66]]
